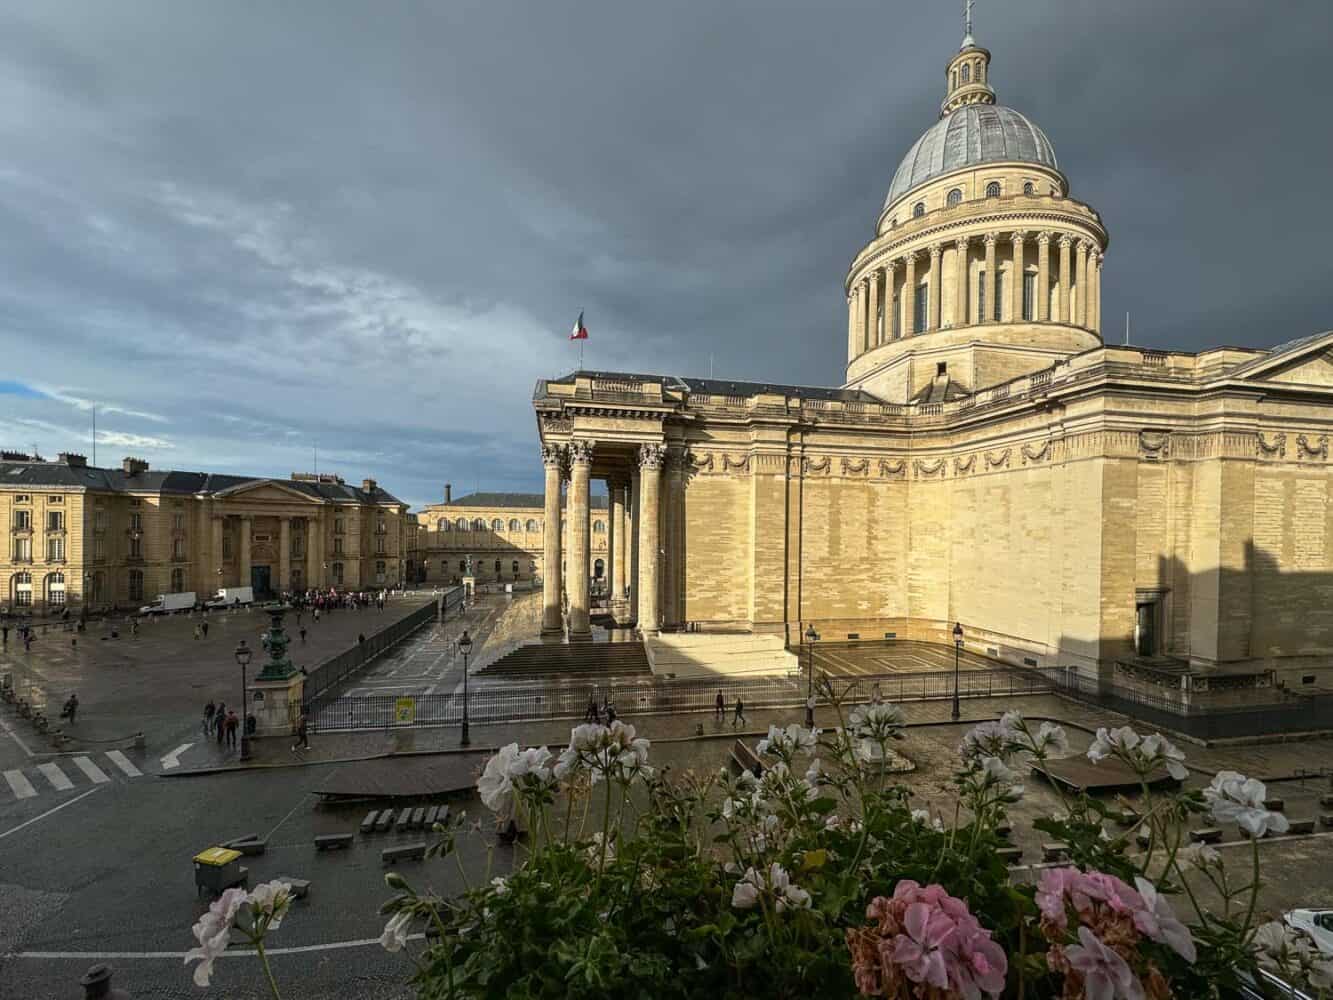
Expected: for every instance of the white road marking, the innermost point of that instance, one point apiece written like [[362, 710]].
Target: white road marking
[[172, 760], [56, 776], [178, 955], [67, 802], [85, 765], [124, 763], [19, 782], [15, 737]]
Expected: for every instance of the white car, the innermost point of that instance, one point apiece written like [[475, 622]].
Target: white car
[[1317, 923]]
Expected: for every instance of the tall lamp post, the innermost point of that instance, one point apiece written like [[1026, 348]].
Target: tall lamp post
[[957, 652], [465, 647], [243, 653], [811, 637]]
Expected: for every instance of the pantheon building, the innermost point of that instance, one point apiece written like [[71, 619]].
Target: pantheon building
[[988, 460]]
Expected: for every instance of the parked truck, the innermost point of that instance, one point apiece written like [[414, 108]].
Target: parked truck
[[165, 604], [230, 597]]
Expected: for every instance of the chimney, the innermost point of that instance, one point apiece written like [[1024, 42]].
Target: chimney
[[368, 485], [133, 466], [73, 460], [448, 492]]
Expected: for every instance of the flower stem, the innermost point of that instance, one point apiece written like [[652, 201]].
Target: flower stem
[[263, 959], [1254, 886]]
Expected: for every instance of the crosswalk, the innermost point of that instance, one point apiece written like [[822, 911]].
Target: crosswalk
[[66, 774]]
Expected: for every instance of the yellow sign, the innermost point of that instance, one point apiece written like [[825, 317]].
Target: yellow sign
[[405, 710], [217, 856]]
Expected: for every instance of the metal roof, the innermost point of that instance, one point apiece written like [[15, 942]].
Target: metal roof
[[525, 501], [971, 135], [724, 387]]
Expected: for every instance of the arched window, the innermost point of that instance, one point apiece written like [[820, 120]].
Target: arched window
[[967, 73], [598, 569], [514, 524], [497, 569], [955, 80], [23, 590], [1028, 188], [338, 574], [993, 189], [515, 569], [478, 524], [461, 524], [599, 527], [532, 525], [497, 525], [955, 196], [177, 580], [55, 589], [136, 585], [918, 210], [444, 524]]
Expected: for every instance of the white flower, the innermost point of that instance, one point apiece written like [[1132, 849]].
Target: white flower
[[997, 773], [495, 784], [785, 892], [395, 931], [878, 719], [1233, 797], [1198, 856], [1158, 921], [1293, 953], [1108, 742], [213, 932], [814, 773], [1157, 750], [923, 817], [1052, 739], [595, 849], [500, 885], [272, 899], [746, 893], [987, 739], [533, 761]]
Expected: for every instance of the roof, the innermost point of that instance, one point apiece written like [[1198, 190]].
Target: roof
[[59, 474], [526, 501], [727, 387], [971, 135]]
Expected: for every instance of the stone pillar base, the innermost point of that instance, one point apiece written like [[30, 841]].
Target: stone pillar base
[[276, 705]]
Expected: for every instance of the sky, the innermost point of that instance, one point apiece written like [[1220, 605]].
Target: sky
[[264, 238]]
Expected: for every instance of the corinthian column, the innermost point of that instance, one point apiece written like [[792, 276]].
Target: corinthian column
[[1081, 317], [247, 524], [617, 489], [650, 487], [1016, 293], [872, 312], [1043, 303], [1095, 283], [851, 326], [580, 462], [934, 320], [990, 304], [960, 245], [909, 296], [552, 457], [284, 554], [1062, 299]]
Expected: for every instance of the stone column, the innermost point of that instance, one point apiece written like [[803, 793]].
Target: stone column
[[247, 525], [851, 325], [891, 315], [617, 510], [314, 547], [1016, 301], [1081, 301], [934, 320], [1095, 284], [284, 554], [1043, 277], [650, 480], [909, 296], [872, 312], [673, 550], [580, 566], [214, 576], [960, 281], [632, 518], [1062, 296], [862, 314], [552, 457], [991, 312]]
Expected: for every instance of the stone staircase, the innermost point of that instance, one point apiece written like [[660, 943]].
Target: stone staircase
[[580, 659], [701, 654]]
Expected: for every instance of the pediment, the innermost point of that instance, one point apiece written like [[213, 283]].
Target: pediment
[[1317, 370], [266, 489], [1303, 362]]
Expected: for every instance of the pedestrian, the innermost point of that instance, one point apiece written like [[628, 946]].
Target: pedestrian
[[232, 723], [71, 707], [27, 641], [610, 713], [134, 629], [196, 632], [876, 694], [316, 615], [739, 716], [360, 639], [209, 709], [302, 734], [220, 722], [719, 707], [302, 635], [4, 629], [203, 627]]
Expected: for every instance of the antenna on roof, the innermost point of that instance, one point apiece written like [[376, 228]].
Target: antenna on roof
[[94, 435], [316, 460], [710, 366], [1126, 328]]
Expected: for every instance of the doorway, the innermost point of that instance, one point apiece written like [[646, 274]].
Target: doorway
[[260, 579], [1145, 628]]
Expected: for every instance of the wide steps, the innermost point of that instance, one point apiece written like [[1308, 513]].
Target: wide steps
[[591, 659]]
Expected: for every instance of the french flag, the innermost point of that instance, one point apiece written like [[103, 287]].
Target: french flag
[[580, 332]]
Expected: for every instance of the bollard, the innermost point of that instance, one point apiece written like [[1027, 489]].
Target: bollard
[[96, 983], [139, 741]]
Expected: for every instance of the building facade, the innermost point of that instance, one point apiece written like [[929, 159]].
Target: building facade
[[989, 460], [86, 536], [501, 537]]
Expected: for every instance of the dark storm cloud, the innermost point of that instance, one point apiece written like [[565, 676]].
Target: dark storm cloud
[[255, 229]]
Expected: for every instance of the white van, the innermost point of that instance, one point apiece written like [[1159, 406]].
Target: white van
[[164, 604], [229, 597]]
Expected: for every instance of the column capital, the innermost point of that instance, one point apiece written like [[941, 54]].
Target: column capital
[[1083, 245], [962, 243], [246, 517], [553, 455], [1066, 241], [1044, 238], [651, 455], [678, 459], [989, 240], [891, 265], [580, 452], [936, 249], [1018, 236]]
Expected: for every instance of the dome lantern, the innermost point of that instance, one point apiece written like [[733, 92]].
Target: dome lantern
[[967, 78]]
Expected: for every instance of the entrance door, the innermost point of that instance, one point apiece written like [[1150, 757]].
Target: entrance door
[[260, 577], [1145, 628]]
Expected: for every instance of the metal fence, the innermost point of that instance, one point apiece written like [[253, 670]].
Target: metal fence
[[336, 669], [631, 696]]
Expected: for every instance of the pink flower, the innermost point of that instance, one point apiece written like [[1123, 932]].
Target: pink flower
[[213, 932], [1158, 921], [1106, 976], [918, 951]]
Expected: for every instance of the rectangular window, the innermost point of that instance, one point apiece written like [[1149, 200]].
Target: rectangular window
[[178, 548], [338, 573], [136, 522], [99, 548], [379, 572], [55, 520], [22, 519], [226, 546], [23, 550], [177, 522], [136, 585], [337, 546], [298, 545], [920, 306], [55, 499], [339, 527], [380, 547], [999, 295], [99, 520], [23, 498], [56, 595], [380, 527], [55, 550], [136, 547], [1029, 297]]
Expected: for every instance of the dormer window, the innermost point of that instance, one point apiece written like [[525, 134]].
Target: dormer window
[[955, 197], [993, 189], [918, 210]]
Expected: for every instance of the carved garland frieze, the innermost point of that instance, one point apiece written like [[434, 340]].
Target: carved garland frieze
[[928, 470], [815, 466], [1154, 446], [737, 464], [1278, 446], [1304, 449], [699, 463], [892, 470], [850, 468], [964, 466], [1000, 461], [1033, 455]]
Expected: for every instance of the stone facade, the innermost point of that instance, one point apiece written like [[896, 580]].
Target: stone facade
[[1070, 503], [85, 536]]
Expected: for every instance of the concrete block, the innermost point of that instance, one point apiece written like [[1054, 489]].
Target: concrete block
[[333, 841], [1206, 835], [418, 817], [1274, 805], [1301, 826], [368, 824], [250, 848], [1326, 819], [404, 819], [385, 821], [1054, 850], [402, 852], [1010, 855], [431, 814], [300, 886]]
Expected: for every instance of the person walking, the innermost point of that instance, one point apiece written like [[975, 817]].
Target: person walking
[[610, 713], [719, 707], [316, 615], [209, 711], [220, 722], [739, 716], [4, 630], [302, 734], [203, 627], [233, 723], [27, 640], [71, 708], [134, 629], [302, 635], [196, 633]]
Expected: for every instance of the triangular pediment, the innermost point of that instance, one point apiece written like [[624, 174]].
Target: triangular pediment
[[1308, 361], [267, 489]]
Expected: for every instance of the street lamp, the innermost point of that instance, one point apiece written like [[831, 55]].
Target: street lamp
[[811, 637], [957, 652], [465, 647], [243, 654]]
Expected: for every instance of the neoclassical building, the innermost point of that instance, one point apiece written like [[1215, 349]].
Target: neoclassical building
[[81, 535], [988, 460]]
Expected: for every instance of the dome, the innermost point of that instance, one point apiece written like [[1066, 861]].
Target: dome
[[971, 135]]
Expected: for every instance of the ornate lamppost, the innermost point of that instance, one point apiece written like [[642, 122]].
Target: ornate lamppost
[[465, 647], [243, 654], [957, 653], [811, 637]]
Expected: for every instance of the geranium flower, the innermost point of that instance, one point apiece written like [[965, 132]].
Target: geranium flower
[[272, 900], [745, 895], [1157, 749], [213, 932], [918, 949], [1198, 856], [395, 931], [1106, 976], [1158, 921], [1109, 741], [495, 784], [1235, 798]]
